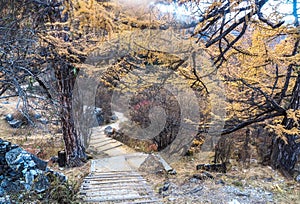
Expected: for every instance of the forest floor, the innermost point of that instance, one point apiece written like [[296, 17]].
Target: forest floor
[[252, 184]]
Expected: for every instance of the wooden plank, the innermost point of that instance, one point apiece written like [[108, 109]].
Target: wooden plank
[[145, 201], [105, 188], [114, 175], [97, 182], [104, 150], [99, 140], [116, 198], [166, 166], [113, 172], [110, 144], [112, 193], [115, 192]]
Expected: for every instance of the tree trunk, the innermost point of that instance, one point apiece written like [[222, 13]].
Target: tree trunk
[[74, 146], [286, 157]]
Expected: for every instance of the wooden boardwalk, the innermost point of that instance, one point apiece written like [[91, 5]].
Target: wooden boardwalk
[[114, 176], [117, 187]]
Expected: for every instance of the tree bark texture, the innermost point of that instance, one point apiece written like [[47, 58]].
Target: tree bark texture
[[74, 146], [286, 157]]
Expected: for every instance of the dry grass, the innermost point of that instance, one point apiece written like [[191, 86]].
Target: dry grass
[[42, 141], [75, 175], [44, 145], [37, 140], [257, 176]]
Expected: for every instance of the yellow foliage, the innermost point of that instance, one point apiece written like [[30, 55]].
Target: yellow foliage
[[294, 115], [281, 131]]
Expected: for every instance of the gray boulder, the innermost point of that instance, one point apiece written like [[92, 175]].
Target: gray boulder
[[9, 117], [44, 121], [37, 115], [99, 116], [109, 130], [41, 183], [15, 123], [18, 160], [114, 118], [22, 171]]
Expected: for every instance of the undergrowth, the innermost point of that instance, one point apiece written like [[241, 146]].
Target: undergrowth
[[59, 192]]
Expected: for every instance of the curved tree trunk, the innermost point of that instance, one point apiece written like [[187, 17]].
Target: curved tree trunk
[[286, 157]]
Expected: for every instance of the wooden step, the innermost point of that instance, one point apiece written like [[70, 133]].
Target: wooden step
[[117, 187]]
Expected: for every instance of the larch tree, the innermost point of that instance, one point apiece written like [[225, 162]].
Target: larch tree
[[43, 37], [258, 55]]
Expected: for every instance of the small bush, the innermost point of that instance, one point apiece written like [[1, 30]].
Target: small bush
[[59, 192]]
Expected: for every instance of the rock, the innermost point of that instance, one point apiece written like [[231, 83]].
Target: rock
[[13, 187], [208, 175], [212, 167], [100, 119], [5, 200], [22, 171], [196, 189], [298, 178], [12, 158], [2, 149], [54, 159], [15, 123], [270, 179], [114, 118], [59, 175], [234, 201], [193, 180], [242, 193], [237, 191], [18, 159], [99, 116], [9, 117], [13, 146], [2, 170], [166, 186], [37, 115], [172, 172], [98, 110], [4, 183], [152, 165], [31, 164], [2, 192], [29, 176], [41, 183], [12, 174], [44, 121], [172, 199], [203, 176], [220, 182], [109, 130]]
